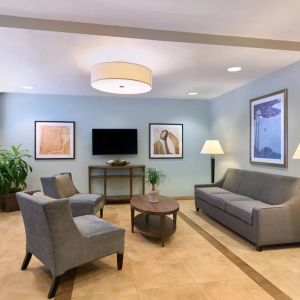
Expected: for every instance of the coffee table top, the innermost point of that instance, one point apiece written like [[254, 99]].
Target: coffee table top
[[165, 205]]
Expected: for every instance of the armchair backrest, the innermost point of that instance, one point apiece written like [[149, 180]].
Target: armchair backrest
[[49, 226], [50, 187]]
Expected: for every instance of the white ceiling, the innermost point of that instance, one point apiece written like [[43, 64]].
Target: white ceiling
[[59, 63], [273, 19]]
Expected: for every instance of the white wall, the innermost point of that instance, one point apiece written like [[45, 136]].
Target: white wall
[[19, 111], [230, 120]]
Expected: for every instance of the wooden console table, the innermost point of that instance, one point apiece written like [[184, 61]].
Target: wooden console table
[[105, 172]]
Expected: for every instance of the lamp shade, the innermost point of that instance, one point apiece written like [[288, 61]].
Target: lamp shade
[[212, 147], [297, 153], [121, 78]]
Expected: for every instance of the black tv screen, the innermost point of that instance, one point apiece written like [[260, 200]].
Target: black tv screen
[[114, 141]]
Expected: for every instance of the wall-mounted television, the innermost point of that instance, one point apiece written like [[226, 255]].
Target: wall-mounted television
[[114, 141]]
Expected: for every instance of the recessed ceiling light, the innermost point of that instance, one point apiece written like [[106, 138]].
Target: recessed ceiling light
[[234, 69], [193, 93], [28, 87]]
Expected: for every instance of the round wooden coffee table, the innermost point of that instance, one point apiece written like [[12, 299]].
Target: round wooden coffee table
[[153, 220]]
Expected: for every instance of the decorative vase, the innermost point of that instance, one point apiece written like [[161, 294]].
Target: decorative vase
[[153, 196]]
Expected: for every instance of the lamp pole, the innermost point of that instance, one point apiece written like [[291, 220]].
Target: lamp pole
[[212, 165]]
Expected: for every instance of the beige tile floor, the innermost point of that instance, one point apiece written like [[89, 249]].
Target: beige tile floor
[[189, 267]]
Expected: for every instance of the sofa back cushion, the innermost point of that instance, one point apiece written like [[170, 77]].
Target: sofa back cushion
[[251, 184], [232, 180], [65, 186], [278, 189], [268, 188]]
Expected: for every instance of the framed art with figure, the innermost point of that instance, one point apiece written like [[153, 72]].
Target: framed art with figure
[[54, 140], [165, 140], [268, 129]]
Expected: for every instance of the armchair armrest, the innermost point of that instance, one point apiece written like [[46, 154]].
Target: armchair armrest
[[278, 224]]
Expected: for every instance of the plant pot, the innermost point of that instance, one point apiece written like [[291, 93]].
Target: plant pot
[[153, 196], [9, 203]]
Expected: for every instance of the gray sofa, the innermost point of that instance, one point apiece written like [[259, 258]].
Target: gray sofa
[[263, 208], [62, 242]]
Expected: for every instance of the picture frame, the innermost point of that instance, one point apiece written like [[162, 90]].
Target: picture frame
[[54, 140], [165, 141], [268, 129]]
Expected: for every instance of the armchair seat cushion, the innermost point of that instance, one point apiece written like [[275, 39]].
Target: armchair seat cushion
[[91, 225], [104, 237], [244, 209], [85, 204], [92, 198]]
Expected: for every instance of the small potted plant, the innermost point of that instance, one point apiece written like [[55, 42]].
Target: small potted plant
[[154, 177], [14, 170]]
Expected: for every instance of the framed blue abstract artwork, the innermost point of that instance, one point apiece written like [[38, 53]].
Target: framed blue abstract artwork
[[268, 129]]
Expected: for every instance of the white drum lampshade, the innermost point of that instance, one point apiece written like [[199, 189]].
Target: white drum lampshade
[[121, 78]]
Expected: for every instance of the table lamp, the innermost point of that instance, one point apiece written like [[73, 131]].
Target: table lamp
[[297, 153], [212, 147]]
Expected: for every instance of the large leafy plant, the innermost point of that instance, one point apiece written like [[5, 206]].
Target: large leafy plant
[[14, 169], [154, 177]]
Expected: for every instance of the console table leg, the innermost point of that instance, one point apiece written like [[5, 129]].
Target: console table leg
[[162, 229], [132, 220]]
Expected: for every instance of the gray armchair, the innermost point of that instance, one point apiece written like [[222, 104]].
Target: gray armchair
[[81, 203], [62, 242]]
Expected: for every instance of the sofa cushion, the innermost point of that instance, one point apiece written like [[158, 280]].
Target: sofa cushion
[[221, 200], [244, 209], [93, 198], [204, 192], [232, 180], [65, 186]]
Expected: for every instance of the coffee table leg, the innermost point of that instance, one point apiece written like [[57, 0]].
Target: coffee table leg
[[132, 220], [162, 230], [175, 219]]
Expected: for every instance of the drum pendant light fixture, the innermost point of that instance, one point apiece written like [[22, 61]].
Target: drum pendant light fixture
[[121, 78]]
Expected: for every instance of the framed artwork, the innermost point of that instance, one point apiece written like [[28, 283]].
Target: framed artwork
[[54, 140], [165, 140], [268, 129]]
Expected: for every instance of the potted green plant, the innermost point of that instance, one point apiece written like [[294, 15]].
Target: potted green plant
[[154, 177], [14, 170]]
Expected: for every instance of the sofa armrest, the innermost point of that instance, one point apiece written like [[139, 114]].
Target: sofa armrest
[[216, 184], [278, 224]]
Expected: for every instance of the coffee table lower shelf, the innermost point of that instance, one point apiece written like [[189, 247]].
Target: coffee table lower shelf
[[151, 225]]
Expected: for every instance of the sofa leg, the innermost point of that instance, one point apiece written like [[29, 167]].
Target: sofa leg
[[101, 212], [120, 260], [259, 248], [54, 286], [26, 261]]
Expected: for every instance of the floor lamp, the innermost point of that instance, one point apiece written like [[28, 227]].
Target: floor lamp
[[212, 147], [297, 153]]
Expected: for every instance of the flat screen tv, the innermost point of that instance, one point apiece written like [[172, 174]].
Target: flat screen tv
[[114, 141]]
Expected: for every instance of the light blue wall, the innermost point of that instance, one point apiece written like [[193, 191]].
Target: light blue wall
[[19, 111], [230, 120]]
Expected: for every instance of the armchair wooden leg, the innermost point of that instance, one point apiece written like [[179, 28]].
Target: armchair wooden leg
[[26, 260], [120, 260], [101, 212], [54, 286]]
